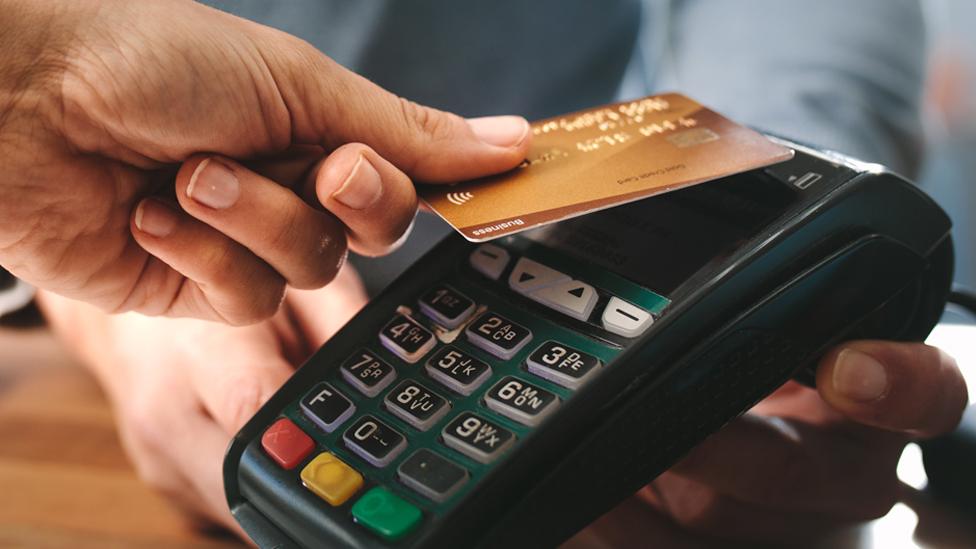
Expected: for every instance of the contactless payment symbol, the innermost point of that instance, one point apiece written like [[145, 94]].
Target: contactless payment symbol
[[458, 199]]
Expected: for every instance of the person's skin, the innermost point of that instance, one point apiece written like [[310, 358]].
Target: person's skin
[[105, 197], [180, 388], [801, 462], [103, 104]]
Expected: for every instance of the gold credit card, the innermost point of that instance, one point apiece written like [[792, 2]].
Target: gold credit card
[[603, 157]]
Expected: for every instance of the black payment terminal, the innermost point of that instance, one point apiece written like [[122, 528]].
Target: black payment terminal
[[508, 393]]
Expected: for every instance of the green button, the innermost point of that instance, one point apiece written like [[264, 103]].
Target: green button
[[386, 514]]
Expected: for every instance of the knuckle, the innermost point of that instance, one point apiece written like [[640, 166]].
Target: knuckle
[[238, 405], [426, 122], [414, 115], [288, 229], [253, 292], [262, 305], [428, 131], [216, 264], [322, 243], [328, 254], [261, 302], [268, 302]]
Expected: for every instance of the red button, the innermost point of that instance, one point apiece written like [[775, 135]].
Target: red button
[[286, 443]]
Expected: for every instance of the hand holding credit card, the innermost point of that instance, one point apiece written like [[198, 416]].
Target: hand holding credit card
[[602, 157]]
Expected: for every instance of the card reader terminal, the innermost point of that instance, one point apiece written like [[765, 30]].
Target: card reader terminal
[[511, 392]]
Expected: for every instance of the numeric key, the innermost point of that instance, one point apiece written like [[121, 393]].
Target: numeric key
[[446, 306], [406, 338], [562, 364], [416, 404], [477, 437], [367, 372], [498, 335], [458, 370], [520, 400], [374, 441]]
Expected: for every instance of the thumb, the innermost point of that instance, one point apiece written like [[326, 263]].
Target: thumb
[[903, 387], [331, 106]]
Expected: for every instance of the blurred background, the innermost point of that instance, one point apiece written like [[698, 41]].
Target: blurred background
[[947, 174], [950, 116], [64, 480]]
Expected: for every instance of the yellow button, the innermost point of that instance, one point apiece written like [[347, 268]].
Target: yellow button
[[331, 479]]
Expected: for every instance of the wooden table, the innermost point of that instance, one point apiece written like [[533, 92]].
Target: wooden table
[[65, 481]]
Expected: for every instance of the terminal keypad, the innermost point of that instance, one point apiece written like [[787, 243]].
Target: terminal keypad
[[415, 417]]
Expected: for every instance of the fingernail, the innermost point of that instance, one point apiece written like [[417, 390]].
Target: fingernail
[[858, 376], [155, 218], [362, 187], [500, 131], [214, 185]]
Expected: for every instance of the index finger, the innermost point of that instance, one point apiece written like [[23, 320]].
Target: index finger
[[911, 388]]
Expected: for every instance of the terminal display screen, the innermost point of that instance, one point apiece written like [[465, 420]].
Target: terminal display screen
[[662, 241]]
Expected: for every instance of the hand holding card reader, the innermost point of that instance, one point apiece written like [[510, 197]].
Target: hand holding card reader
[[511, 392]]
